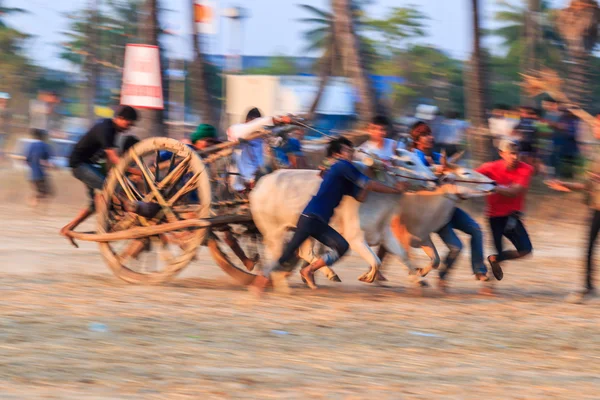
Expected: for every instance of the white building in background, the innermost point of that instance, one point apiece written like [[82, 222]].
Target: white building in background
[[276, 95]]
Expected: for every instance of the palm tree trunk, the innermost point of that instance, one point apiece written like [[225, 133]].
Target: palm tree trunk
[[91, 62], [529, 62], [199, 78], [325, 71], [354, 61], [152, 121], [481, 143], [578, 74]]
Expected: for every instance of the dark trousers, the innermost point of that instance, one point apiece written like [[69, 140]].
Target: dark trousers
[[311, 226], [589, 267], [513, 229], [92, 178]]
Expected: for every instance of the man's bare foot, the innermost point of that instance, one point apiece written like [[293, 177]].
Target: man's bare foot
[[480, 276], [308, 277], [66, 232]]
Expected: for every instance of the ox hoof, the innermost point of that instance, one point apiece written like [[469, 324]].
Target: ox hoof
[[423, 284], [423, 271], [335, 278], [280, 283]]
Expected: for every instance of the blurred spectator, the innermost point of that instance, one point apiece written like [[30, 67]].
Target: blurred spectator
[[569, 150], [5, 115], [38, 159], [289, 154], [41, 111], [552, 116], [378, 144], [452, 134], [501, 125], [527, 135]]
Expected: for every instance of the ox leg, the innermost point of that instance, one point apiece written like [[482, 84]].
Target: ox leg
[[363, 249], [401, 249], [381, 253], [274, 246], [429, 249]]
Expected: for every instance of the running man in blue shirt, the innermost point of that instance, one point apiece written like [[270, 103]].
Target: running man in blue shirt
[[342, 179]]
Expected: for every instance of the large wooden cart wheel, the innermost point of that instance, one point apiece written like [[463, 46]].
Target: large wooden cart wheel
[[180, 185], [225, 247]]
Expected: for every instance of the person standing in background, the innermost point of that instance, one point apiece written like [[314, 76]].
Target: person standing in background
[[500, 124], [452, 134], [592, 188], [378, 144], [38, 159], [552, 116], [4, 122], [569, 150], [41, 112]]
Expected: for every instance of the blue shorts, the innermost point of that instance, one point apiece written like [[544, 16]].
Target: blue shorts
[[92, 178]]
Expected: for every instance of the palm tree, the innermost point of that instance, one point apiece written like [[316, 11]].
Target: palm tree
[[321, 37], [475, 87], [91, 61], [200, 77], [528, 34], [578, 25], [522, 25], [15, 67], [354, 59], [152, 121]]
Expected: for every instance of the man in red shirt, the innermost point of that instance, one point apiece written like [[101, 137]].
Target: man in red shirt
[[505, 205]]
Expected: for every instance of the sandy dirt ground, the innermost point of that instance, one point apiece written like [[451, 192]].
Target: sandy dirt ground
[[70, 330]]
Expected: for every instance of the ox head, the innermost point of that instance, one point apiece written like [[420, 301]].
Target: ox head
[[408, 167], [467, 183]]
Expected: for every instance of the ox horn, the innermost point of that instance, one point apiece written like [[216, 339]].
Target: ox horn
[[454, 159]]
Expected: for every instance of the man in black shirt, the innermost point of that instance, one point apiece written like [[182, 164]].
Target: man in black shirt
[[95, 146]]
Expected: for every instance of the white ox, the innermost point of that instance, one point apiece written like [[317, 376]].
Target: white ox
[[279, 198], [423, 213]]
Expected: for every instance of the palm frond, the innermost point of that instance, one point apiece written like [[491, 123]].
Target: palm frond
[[316, 11]]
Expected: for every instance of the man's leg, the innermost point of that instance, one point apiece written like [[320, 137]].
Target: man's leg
[[338, 246], [94, 180], [277, 271], [454, 245], [519, 237], [497, 226], [580, 296], [464, 223], [589, 269]]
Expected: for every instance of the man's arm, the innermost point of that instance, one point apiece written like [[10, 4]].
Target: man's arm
[[112, 156], [513, 190], [518, 187], [374, 186]]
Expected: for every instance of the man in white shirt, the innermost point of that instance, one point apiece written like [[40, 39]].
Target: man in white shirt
[[377, 144], [249, 156], [500, 125], [451, 135]]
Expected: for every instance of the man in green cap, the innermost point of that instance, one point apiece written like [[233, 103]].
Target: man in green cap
[[204, 136]]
